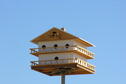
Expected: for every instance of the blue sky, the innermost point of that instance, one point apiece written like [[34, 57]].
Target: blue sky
[[101, 22]]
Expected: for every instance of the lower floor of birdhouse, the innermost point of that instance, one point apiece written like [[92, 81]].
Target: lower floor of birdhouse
[[62, 69]]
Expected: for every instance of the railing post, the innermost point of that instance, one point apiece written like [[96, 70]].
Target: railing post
[[63, 79]]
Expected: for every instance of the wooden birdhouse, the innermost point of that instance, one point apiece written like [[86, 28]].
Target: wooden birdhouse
[[61, 53]]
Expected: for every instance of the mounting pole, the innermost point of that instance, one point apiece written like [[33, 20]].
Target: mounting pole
[[63, 79]]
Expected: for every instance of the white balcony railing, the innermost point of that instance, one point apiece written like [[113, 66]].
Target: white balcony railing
[[63, 61], [62, 48]]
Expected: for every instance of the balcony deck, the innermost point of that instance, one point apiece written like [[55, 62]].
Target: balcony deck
[[83, 52], [69, 66]]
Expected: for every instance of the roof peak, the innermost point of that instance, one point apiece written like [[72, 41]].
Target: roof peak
[[58, 34]]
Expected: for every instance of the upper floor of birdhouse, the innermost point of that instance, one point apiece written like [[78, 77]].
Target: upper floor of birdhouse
[[58, 40]]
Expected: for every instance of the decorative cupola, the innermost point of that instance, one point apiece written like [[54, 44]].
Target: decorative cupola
[[61, 53]]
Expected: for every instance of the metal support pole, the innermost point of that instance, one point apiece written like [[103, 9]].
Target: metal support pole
[[63, 79]]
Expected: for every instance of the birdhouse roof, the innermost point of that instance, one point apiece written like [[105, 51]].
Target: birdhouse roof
[[58, 34]]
